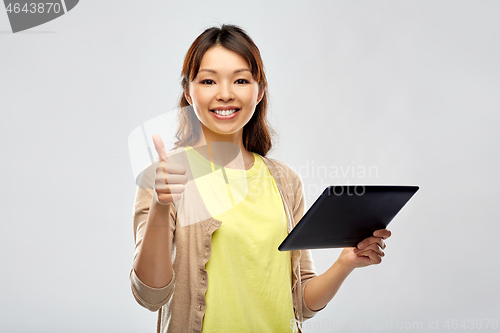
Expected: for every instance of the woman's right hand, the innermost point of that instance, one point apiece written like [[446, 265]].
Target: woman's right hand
[[170, 178]]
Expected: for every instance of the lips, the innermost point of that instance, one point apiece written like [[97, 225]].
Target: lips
[[228, 107], [225, 114], [229, 111]]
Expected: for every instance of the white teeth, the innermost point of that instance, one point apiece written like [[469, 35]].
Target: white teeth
[[225, 112]]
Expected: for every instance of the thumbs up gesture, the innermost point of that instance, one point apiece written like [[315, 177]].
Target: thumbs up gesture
[[170, 178]]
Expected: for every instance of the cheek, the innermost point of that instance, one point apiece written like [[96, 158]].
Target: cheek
[[200, 96], [251, 96]]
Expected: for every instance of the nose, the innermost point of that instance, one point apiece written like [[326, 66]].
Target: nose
[[225, 92]]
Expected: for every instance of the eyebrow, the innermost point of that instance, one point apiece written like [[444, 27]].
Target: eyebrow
[[215, 72]]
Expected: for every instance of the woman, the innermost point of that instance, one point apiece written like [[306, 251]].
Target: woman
[[225, 273]]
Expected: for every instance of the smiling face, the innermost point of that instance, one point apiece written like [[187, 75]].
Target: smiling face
[[224, 81]]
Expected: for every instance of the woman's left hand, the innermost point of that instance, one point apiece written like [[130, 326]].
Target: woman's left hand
[[368, 252]]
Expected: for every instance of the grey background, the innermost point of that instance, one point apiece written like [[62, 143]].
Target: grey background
[[408, 87]]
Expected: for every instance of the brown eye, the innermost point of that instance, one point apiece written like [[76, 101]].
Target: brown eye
[[206, 81], [244, 80]]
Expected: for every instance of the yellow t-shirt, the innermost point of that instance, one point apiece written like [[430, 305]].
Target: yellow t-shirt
[[249, 280]]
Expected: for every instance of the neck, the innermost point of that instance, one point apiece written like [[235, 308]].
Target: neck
[[208, 137]]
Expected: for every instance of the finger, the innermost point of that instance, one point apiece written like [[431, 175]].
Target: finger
[[168, 197], [369, 241], [372, 248], [160, 187], [374, 257], [175, 168], [169, 177], [160, 148], [375, 247], [383, 233], [163, 173], [170, 173]]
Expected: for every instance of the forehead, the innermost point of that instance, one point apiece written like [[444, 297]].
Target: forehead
[[221, 59]]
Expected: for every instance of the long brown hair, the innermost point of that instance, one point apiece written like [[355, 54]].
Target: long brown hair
[[257, 132]]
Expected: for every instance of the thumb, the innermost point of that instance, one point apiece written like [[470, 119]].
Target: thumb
[[160, 148]]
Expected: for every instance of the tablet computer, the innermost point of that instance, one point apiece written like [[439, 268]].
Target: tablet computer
[[344, 215]]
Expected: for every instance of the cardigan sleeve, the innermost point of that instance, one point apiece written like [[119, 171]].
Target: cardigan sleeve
[[307, 269], [149, 297]]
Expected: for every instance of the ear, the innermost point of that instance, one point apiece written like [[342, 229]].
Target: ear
[[188, 97], [261, 95]]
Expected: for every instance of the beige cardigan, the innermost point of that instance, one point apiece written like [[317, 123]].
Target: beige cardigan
[[181, 303]]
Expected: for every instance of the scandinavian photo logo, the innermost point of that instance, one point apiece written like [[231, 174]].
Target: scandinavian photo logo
[[25, 15]]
